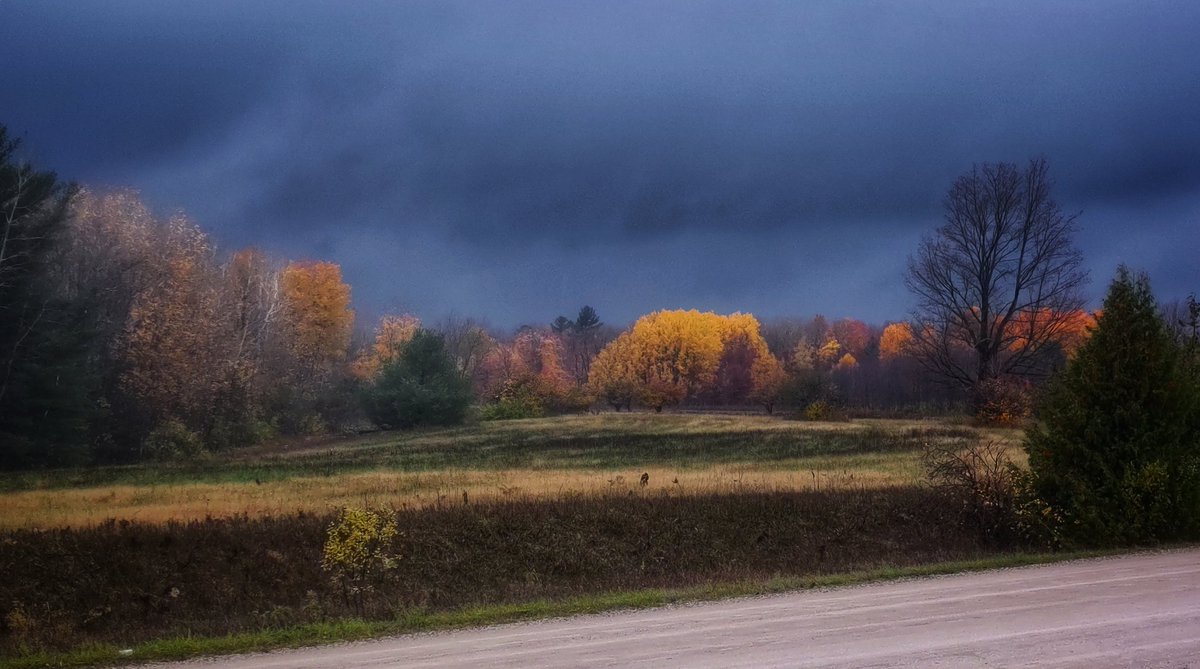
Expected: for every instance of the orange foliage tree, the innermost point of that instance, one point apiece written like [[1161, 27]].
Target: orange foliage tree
[[392, 333], [1065, 330], [532, 370], [171, 349], [894, 342], [854, 336], [317, 313]]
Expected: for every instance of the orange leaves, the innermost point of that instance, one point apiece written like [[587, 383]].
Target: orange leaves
[[317, 311], [1067, 329], [853, 335], [895, 341], [170, 347], [533, 359], [392, 333]]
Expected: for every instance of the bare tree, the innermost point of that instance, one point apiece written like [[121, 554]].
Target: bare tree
[[999, 282], [467, 341]]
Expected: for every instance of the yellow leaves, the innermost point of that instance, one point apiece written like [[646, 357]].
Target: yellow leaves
[[803, 357], [670, 355], [829, 352], [847, 361], [317, 311], [768, 377], [358, 550]]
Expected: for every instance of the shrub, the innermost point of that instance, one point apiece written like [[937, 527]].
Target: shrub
[[420, 386], [171, 440], [1004, 401], [1036, 522], [358, 552], [509, 408], [980, 480], [1117, 451], [238, 432], [823, 411]]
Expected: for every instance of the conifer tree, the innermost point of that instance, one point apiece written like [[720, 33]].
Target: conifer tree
[[421, 386], [1117, 447]]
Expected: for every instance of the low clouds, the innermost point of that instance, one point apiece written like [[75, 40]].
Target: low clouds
[[513, 160]]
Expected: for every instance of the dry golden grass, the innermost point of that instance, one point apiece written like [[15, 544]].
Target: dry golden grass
[[193, 501], [391, 486]]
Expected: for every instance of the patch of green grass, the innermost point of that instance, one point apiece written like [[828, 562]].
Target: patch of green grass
[[418, 621], [604, 442]]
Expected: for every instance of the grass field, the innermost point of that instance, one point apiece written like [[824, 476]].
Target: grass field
[[505, 460], [225, 553]]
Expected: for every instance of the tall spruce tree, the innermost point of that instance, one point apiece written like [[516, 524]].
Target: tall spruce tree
[[44, 400], [1117, 447]]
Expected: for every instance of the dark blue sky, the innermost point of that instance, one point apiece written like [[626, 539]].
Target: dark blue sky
[[515, 160]]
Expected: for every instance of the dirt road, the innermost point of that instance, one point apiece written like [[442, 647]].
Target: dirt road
[[1142, 610]]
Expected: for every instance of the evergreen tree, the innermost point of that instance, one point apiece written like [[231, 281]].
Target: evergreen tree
[[421, 386], [44, 387], [1117, 448]]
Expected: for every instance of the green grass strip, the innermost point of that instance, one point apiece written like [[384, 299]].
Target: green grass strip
[[179, 648]]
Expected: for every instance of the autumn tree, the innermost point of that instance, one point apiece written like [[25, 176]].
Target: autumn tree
[[853, 337], [895, 341], [768, 381], [171, 344], [178, 334], [317, 313], [670, 356], [614, 377], [1005, 249], [528, 377], [391, 334], [315, 334]]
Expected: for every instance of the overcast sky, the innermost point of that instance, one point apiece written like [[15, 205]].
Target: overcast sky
[[514, 160]]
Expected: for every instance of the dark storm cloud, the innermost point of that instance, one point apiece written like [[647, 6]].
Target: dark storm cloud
[[513, 160]]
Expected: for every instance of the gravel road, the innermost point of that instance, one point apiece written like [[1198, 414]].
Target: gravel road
[[1137, 611]]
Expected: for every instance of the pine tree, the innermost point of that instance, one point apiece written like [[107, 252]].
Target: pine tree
[[422, 386], [44, 387], [1117, 448]]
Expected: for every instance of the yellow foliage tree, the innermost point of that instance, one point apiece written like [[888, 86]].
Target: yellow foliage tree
[[668, 356], [613, 377], [830, 352]]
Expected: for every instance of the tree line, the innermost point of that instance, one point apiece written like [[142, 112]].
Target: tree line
[[126, 335]]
